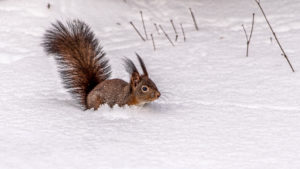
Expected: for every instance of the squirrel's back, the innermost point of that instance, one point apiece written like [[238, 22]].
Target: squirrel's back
[[79, 56]]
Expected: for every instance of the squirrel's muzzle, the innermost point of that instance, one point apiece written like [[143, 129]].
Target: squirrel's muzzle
[[157, 94]]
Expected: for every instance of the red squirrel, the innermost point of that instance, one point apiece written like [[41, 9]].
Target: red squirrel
[[85, 70]]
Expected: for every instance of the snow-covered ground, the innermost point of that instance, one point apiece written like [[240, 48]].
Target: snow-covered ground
[[219, 110]]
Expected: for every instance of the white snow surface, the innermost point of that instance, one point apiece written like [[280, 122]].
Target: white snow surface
[[219, 109]]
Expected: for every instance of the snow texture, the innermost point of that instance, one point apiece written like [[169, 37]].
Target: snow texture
[[219, 109]]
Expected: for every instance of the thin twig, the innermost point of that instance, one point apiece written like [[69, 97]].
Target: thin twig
[[137, 31], [195, 23], [245, 32], [283, 52], [155, 25], [251, 32], [253, 15], [154, 48], [144, 25], [184, 39], [176, 34], [247, 41], [166, 35]]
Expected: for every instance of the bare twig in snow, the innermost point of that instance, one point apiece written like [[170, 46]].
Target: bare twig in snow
[[249, 38], [144, 25], [166, 35], [195, 23], [155, 25], [176, 34], [184, 39], [154, 48], [137, 31], [283, 52]]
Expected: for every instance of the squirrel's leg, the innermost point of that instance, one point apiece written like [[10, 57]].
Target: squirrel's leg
[[94, 100], [97, 105]]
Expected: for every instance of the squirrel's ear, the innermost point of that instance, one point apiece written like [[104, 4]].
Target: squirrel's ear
[[129, 66], [135, 79], [142, 64], [132, 70]]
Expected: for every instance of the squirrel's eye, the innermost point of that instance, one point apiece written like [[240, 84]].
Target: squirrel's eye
[[144, 88]]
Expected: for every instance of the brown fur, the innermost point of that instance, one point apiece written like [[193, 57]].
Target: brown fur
[[85, 71]]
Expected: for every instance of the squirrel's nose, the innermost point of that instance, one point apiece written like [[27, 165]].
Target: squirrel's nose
[[157, 94]]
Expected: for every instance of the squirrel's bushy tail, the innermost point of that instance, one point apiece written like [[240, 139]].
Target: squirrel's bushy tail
[[80, 58]]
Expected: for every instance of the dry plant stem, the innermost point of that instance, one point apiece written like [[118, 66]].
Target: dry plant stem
[[249, 38], [155, 25], [247, 41], [283, 52], [144, 25], [137, 31], [184, 39], [154, 48], [166, 35], [176, 34], [195, 23]]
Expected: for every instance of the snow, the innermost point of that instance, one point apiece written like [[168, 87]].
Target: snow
[[218, 110]]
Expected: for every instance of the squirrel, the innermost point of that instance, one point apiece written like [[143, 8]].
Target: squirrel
[[85, 70]]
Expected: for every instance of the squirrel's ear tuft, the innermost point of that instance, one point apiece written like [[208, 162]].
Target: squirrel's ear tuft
[[142, 64], [132, 70], [129, 66]]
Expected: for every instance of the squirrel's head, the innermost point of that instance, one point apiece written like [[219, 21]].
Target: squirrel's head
[[141, 86]]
